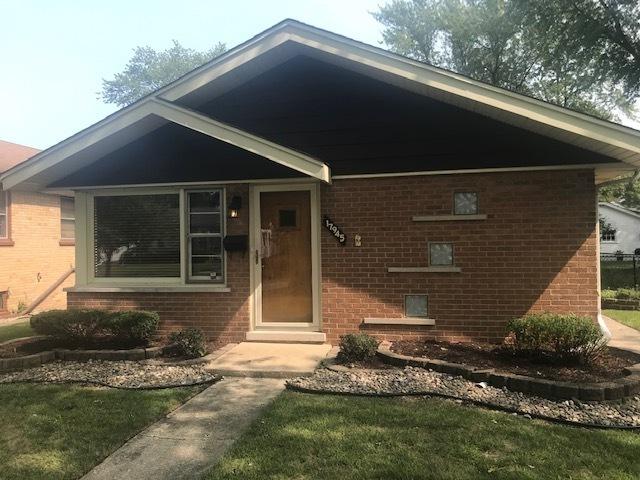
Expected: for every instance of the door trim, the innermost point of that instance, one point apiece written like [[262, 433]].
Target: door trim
[[254, 267]]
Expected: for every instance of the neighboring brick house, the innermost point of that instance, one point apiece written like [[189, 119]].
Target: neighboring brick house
[[304, 185], [36, 243]]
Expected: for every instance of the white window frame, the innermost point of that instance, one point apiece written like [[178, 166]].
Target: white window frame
[[5, 214], [188, 236], [609, 240], [62, 218], [85, 242]]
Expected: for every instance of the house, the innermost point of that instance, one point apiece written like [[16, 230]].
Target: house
[[37, 232], [304, 185], [623, 228]]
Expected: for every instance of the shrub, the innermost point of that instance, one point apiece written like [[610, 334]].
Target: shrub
[[136, 326], [89, 326], [357, 347], [189, 343], [565, 338], [74, 325], [608, 294]]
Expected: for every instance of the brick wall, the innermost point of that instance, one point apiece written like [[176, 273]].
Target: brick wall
[[224, 317], [536, 251], [36, 259]]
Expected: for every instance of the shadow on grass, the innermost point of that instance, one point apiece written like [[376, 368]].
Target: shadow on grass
[[330, 437], [62, 431]]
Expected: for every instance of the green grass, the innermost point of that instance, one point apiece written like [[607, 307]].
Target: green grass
[[631, 318], [60, 431], [15, 330], [331, 437]]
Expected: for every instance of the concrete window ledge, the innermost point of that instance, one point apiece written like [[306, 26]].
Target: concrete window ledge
[[400, 321], [134, 289], [448, 218], [424, 269]]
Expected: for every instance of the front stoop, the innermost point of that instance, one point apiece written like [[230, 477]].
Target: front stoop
[[269, 360], [286, 336]]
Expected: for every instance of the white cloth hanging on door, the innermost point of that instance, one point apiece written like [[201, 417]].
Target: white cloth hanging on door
[[265, 244]]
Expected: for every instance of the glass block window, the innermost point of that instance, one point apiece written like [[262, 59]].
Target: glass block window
[[206, 259], [465, 203], [440, 254], [415, 306]]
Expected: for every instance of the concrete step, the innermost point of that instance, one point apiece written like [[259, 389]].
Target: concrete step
[[286, 336]]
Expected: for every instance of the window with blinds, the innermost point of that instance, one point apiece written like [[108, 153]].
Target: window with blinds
[[137, 236], [67, 218]]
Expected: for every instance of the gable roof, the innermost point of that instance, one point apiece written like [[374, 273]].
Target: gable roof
[[620, 208], [11, 154], [290, 38]]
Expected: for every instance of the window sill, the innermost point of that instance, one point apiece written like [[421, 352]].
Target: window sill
[[445, 218], [67, 242], [6, 242], [141, 289], [400, 321], [424, 269]]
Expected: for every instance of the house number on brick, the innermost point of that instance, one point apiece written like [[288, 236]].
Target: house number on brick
[[335, 230]]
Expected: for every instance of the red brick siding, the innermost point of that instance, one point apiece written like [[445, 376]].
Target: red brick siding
[[536, 251]]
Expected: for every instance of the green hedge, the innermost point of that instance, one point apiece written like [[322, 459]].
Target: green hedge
[[189, 343], [88, 326], [563, 338], [356, 347], [621, 294]]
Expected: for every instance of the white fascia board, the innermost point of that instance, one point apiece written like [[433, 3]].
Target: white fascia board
[[251, 143], [619, 208], [76, 143]]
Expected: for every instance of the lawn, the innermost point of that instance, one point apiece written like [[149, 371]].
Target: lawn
[[631, 318], [15, 330], [331, 437], [60, 431]]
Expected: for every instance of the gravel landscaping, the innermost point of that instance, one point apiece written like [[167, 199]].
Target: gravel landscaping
[[123, 374], [414, 381]]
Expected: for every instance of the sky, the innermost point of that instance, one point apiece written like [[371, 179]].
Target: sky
[[55, 53]]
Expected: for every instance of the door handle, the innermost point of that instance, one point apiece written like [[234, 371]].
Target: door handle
[[257, 257]]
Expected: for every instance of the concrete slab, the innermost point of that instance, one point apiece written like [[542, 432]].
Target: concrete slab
[[622, 336], [194, 437], [274, 360]]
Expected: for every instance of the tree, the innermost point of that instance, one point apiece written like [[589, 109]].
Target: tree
[[626, 193], [149, 70], [568, 52]]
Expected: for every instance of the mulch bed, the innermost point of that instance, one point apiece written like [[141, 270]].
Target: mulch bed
[[30, 346], [610, 363]]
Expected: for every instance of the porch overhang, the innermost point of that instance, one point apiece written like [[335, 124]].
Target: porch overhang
[[125, 126]]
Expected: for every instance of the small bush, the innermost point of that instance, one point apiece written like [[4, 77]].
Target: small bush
[[90, 326], [136, 326], [566, 338], [623, 294], [189, 343], [74, 325], [608, 294], [357, 347]]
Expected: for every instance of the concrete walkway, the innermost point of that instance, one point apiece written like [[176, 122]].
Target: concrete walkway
[[194, 437], [622, 336], [273, 360]]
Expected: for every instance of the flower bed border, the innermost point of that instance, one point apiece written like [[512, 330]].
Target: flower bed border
[[618, 389], [41, 358], [620, 304]]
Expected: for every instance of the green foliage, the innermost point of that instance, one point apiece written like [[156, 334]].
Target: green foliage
[[148, 70], [555, 51], [626, 193], [357, 347], [189, 343], [88, 326], [560, 337], [621, 294], [134, 325]]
